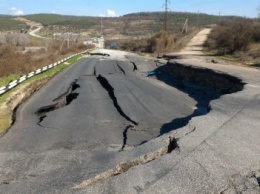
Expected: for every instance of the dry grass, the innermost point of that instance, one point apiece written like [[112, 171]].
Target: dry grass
[[237, 41], [232, 36], [159, 43], [15, 62]]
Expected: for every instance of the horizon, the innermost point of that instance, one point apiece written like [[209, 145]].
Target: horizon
[[9, 15], [117, 8]]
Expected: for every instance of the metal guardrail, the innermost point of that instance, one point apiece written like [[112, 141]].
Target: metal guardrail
[[15, 83]]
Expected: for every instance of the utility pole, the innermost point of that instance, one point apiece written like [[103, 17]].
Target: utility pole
[[185, 26], [198, 19], [166, 15], [68, 40], [101, 26]]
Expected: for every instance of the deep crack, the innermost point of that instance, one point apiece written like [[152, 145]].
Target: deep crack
[[135, 67], [125, 166], [95, 72], [125, 136], [172, 144], [121, 69], [257, 179], [103, 81], [63, 100], [73, 86]]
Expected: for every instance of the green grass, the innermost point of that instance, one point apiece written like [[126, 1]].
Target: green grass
[[5, 80], [61, 20], [48, 73], [8, 24], [255, 65], [4, 121]]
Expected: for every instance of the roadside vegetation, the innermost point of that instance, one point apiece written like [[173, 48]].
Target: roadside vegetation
[[16, 60], [159, 43], [237, 39], [138, 25]]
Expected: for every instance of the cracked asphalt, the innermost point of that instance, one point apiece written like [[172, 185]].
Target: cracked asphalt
[[110, 137], [86, 120]]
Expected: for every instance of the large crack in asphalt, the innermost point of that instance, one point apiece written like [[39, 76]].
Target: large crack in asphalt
[[125, 135], [121, 69], [63, 100], [125, 166], [188, 80], [105, 84], [134, 66]]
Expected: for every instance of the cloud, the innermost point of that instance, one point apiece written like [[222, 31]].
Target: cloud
[[111, 13], [15, 11], [102, 15]]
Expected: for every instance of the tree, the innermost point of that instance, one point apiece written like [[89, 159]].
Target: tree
[[258, 11]]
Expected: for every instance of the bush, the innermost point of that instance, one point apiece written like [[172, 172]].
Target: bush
[[160, 42], [230, 36], [256, 32], [15, 61]]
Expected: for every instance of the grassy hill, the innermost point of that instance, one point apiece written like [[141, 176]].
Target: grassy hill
[[135, 24], [62, 20], [7, 23], [176, 19]]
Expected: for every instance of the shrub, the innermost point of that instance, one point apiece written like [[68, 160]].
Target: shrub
[[230, 36], [256, 32], [159, 42]]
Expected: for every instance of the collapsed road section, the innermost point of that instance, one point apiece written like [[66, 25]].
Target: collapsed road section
[[77, 151], [179, 75]]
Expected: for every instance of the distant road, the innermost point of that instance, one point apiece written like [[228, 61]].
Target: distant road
[[33, 32]]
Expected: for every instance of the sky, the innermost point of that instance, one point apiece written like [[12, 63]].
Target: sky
[[115, 8]]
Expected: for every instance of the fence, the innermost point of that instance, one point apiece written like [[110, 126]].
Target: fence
[[15, 83]]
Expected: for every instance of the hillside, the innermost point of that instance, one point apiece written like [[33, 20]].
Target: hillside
[[8, 23], [136, 25], [62, 20]]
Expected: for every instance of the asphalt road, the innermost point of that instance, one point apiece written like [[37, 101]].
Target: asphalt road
[[84, 121]]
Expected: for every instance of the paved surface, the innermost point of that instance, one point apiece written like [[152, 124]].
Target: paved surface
[[218, 152], [88, 117], [75, 148]]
